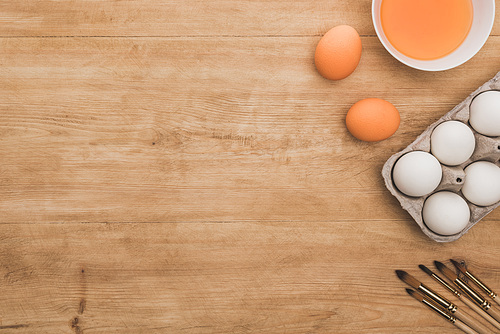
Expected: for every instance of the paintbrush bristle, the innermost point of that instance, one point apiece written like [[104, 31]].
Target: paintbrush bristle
[[408, 279], [458, 266], [415, 295], [439, 265], [426, 270], [445, 270]]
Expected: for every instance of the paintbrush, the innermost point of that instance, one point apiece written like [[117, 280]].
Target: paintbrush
[[476, 280], [442, 302], [457, 293], [470, 292], [441, 312]]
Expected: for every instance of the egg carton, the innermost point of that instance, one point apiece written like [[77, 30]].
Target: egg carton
[[487, 149]]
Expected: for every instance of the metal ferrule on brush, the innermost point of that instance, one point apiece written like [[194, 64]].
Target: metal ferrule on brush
[[438, 299], [481, 285], [473, 294], [439, 310], [446, 285]]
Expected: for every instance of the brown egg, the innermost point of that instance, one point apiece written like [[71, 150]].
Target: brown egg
[[338, 52], [372, 119]]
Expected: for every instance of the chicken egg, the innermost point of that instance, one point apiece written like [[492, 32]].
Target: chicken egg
[[485, 113], [445, 213], [417, 173], [482, 183], [372, 119], [452, 143], [338, 52]]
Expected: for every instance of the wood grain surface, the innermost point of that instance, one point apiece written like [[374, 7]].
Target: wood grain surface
[[181, 167]]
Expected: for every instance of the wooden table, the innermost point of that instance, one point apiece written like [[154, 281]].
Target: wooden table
[[181, 167]]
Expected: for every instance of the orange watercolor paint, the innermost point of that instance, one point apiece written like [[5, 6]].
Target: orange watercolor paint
[[426, 29]]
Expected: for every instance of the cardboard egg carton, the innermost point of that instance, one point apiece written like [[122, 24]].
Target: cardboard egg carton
[[487, 149]]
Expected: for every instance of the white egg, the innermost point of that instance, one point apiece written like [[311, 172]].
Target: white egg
[[485, 113], [445, 213], [417, 173], [452, 143], [482, 183]]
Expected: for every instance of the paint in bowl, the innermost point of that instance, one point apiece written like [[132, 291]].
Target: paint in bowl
[[433, 35]]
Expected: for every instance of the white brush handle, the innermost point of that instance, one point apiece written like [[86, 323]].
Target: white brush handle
[[494, 313], [471, 322], [464, 327], [486, 315]]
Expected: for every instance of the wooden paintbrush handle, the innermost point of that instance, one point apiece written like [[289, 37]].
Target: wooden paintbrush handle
[[481, 312], [464, 327], [497, 300], [471, 322], [494, 313]]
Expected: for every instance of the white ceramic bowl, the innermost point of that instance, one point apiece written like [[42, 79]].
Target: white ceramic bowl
[[482, 23]]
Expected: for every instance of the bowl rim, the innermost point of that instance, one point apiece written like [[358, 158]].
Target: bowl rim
[[421, 66]]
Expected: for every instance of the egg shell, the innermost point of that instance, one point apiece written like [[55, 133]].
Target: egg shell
[[482, 183], [485, 113], [372, 119], [452, 143], [487, 149], [446, 213], [338, 52], [417, 173]]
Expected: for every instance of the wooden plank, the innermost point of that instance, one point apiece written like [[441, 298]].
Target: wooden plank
[[225, 277], [179, 18], [183, 18], [200, 129]]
